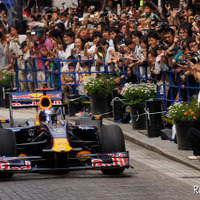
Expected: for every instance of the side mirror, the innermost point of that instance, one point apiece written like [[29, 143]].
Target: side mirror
[[30, 123]]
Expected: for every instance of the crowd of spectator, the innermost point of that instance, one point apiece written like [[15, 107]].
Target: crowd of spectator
[[153, 38]]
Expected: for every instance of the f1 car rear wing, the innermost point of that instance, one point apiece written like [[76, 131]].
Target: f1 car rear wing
[[31, 99]]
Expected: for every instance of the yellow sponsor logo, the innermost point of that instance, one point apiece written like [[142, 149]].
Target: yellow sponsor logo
[[22, 155], [61, 145], [81, 154]]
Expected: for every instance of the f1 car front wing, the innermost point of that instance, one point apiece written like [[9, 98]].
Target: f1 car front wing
[[98, 161]]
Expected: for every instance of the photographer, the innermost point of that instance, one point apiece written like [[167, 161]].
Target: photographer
[[138, 58], [105, 56], [40, 50], [90, 47]]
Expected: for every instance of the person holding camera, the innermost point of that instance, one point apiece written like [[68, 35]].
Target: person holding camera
[[40, 51], [105, 55]]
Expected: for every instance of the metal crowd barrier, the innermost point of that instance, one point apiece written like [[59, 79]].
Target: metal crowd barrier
[[173, 89], [169, 89]]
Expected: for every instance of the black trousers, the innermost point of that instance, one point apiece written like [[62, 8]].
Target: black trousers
[[194, 138]]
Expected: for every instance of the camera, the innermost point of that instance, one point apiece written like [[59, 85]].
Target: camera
[[36, 44], [104, 14], [100, 49], [162, 25], [183, 62], [180, 14], [92, 7], [162, 41], [135, 22], [122, 45], [192, 53], [28, 32], [39, 16], [49, 16], [121, 58], [195, 59], [76, 19]]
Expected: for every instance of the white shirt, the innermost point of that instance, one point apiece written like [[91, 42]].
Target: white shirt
[[91, 50], [139, 54], [108, 56], [63, 55], [111, 43], [3, 58]]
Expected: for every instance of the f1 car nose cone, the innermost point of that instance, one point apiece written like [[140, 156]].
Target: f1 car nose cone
[[61, 145]]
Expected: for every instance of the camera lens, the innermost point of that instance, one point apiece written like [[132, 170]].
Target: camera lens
[[100, 49], [36, 44]]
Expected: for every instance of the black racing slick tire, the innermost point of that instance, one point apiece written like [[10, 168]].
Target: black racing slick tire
[[7, 148], [111, 139]]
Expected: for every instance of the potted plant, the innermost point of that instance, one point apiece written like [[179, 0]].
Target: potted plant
[[185, 116], [99, 89], [136, 95], [5, 78], [5, 83]]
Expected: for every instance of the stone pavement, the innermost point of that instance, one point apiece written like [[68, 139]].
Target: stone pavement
[[164, 147]]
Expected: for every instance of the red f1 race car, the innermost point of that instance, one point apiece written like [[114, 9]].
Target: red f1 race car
[[47, 144]]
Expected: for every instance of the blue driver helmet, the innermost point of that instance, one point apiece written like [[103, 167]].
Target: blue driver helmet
[[48, 117]]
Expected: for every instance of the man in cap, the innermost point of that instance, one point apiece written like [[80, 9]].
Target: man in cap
[[40, 50]]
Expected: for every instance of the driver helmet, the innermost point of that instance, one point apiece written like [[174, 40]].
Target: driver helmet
[[48, 117]]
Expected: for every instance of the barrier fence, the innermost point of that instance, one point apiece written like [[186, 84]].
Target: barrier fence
[[171, 87]]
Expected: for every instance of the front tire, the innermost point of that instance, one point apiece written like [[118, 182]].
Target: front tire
[[111, 139], [7, 148]]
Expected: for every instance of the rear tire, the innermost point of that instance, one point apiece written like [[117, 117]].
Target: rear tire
[[111, 139], [7, 148]]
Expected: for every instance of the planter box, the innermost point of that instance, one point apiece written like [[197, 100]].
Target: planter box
[[138, 116], [118, 107], [4, 97], [100, 105], [182, 128], [73, 104], [154, 123]]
